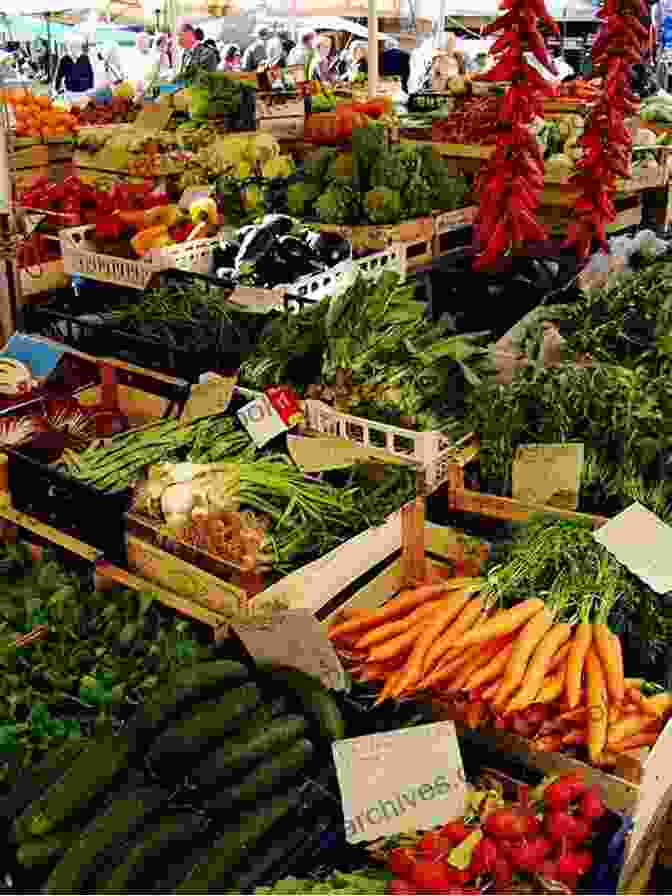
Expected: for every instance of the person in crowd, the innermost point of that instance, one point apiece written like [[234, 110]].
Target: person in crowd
[[256, 53], [396, 63], [304, 50], [324, 65], [75, 72], [199, 55], [231, 58], [108, 68], [359, 56], [274, 50]]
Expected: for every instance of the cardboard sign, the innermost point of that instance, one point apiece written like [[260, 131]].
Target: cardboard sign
[[210, 397], [642, 542], [261, 420], [650, 815], [548, 474], [294, 638], [404, 780], [317, 455]]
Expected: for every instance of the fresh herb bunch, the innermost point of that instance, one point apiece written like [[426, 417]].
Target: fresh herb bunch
[[628, 322], [368, 880], [561, 559], [618, 413], [102, 654]]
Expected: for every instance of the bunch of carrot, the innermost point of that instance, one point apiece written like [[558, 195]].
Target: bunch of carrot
[[522, 668]]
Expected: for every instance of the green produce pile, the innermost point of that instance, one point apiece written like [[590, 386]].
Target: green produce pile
[[369, 880], [150, 809], [104, 652], [215, 94], [375, 183], [657, 109], [618, 413], [372, 351], [561, 558]]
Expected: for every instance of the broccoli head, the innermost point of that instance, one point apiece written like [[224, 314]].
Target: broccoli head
[[368, 145], [390, 171], [340, 169], [299, 195], [315, 168], [383, 206], [418, 201], [449, 192], [337, 205]]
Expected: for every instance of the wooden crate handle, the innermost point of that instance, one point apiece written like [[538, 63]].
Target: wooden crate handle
[[413, 557]]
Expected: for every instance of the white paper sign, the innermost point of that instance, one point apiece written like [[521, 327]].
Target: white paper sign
[[643, 543], [411, 779], [651, 810], [294, 638], [261, 420]]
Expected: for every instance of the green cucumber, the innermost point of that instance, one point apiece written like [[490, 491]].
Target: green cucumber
[[187, 687], [90, 852], [92, 772], [315, 700], [263, 780], [32, 783], [252, 744], [172, 831], [210, 721], [43, 850], [228, 850]]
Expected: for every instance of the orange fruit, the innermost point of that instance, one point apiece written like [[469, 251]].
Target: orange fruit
[[43, 101]]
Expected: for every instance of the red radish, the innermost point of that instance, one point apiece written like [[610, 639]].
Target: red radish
[[401, 861], [582, 830], [528, 855], [592, 806], [433, 845], [503, 873], [484, 857], [549, 869], [401, 887], [562, 826], [510, 823], [455, 832], [568, 788], [431, 876], [457, 876]]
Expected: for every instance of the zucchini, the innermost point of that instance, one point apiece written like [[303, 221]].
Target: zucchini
[[263, 780], [90, 852], [177, 830], [43, 850], [32, 783], [187, 687], [191, 735], [227, 851], [315, 700], [254, 742], [92, 772]]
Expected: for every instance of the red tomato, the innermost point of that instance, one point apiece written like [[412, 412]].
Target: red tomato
[[401, 861]]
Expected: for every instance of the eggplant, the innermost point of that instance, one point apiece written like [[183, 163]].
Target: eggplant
[[225, 254], [228, 274], [328, 248], [278, 224], [295, 252], [256, 244]]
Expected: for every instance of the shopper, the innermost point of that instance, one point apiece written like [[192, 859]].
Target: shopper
[[323, 67], [231, 58], [359, 55], [396, 63], [256, 53], [75, 73], [199, 55], [303, 52], [275, 53]]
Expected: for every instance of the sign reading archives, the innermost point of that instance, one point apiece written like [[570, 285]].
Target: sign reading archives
[[411, 779]]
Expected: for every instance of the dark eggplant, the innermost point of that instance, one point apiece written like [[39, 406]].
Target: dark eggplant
[[255, 245], [298, 256], [328, 248], [279, 225], [224, 255]]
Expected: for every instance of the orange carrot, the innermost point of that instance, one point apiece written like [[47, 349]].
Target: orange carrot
[[645, 739], [384, 632], [549, 743], [559, 657], [574, 738], [658, 706], [524, 645], [376, 671], [633, 683], [390, 684], [475, 715], [492, 669], [598, 709], [490, 693], [482, 658], [502, 624], [630, 726], [552, 686], [446, 642], [449, 669], [575, 662], [401, 605], [611, 660], [537, 669], [635, 696], [396, 646]]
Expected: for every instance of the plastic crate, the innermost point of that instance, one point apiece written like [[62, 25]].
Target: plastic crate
[[80, 258], [434, 453]]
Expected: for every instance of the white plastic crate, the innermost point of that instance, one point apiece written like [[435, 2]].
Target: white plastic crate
[[79, 258], [432, 452]]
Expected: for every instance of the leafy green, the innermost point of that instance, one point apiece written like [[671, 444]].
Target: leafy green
[[383, 206], [338, 205], [366, 881]]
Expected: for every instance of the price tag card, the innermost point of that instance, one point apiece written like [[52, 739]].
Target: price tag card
[[650, 814], [294, 638], [261, 420], [548, 474], [211, 397], [643, 543], [405, 780]]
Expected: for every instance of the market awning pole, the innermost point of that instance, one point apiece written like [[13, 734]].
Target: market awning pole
[[373, 49]]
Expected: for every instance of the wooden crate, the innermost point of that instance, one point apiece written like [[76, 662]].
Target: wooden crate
[[446, 222], [628, 214], [415, 239]]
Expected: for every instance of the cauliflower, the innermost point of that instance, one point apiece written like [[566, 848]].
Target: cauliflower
[[283, 166], [299, 195], [340, 168], [383, 206], [338, 205]]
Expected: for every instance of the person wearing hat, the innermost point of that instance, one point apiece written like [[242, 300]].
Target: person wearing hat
[[304, 50], [198, 55], [256, 54]]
